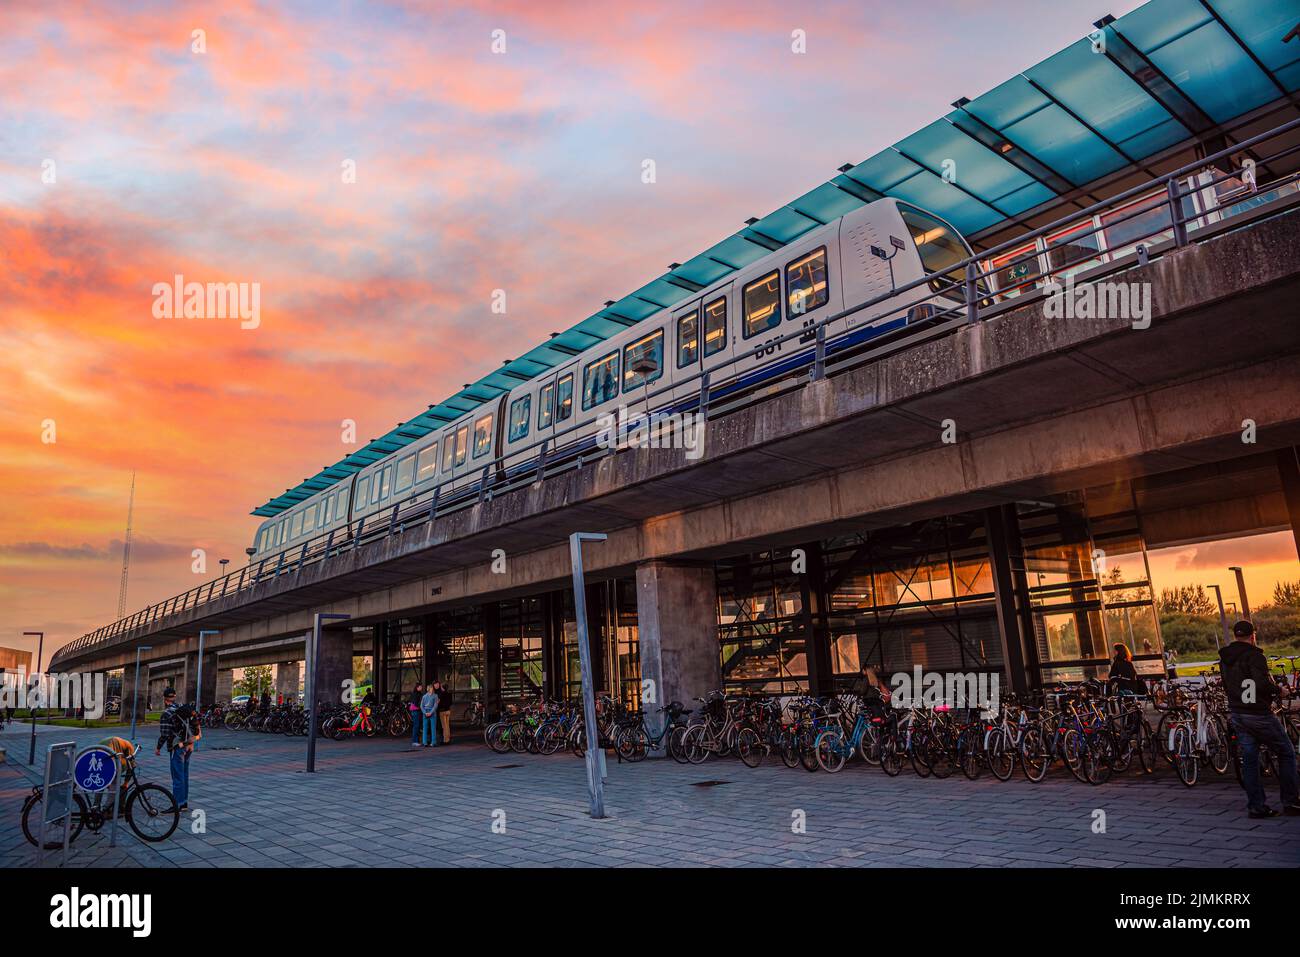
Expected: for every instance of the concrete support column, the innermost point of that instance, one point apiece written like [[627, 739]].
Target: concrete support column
[[286, 680], [225, 690], [187, 689], [133, 696], [1288, 467], [677, 626], [1011, 597], [334, 664], [492, 658]]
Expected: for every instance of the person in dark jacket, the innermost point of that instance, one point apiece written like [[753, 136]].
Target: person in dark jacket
[[444, 710], [1250, 690], [1123, 675], [413, 707]]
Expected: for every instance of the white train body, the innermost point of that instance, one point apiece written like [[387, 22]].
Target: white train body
[[727, 330]]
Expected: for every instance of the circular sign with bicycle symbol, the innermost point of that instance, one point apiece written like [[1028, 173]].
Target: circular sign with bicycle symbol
[[95, 770]]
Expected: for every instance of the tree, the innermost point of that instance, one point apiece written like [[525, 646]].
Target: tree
[[1187, 600], [255, 680], [1287, 594]]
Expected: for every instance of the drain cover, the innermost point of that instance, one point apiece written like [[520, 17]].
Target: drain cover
[[708, 784], [502, 767], [223, 748]]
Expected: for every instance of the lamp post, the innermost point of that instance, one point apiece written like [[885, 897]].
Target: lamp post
[[135, 688], [313, 646], [595, 755], [1241, 590], [31, 711], [1223, 617], [223, 562]]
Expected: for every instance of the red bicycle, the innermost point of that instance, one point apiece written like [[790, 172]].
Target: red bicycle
[[345, 724]]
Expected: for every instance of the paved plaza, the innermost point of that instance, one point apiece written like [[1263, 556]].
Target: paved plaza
[[378, 803]]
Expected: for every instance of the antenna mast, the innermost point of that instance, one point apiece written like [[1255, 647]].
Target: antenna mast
[[126, 552]]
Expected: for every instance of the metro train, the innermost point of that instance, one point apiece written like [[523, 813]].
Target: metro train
[[729, 330]]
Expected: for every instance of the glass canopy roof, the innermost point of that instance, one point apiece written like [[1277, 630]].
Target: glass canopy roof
[[1167, 73]]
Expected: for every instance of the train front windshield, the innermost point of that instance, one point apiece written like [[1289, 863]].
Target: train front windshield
[[941, 248]]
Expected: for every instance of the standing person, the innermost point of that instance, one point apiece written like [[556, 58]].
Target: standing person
[[1123, 677], [1250, 690], [174, 734], [444, 710], [871, 691], [413, 707], [429, 714]]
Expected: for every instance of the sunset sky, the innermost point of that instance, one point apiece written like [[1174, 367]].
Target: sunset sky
[[474, 171]]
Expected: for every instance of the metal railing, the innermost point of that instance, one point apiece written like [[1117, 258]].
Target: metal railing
[[823, 356]]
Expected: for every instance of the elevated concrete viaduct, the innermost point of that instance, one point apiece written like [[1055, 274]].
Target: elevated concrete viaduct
[[1208, 393]]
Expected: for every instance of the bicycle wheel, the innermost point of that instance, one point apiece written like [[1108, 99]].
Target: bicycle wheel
[[1098, 757], [1184, 756], [1072, 751], [676, 745], [632, 743], [152, 812], [32, 809], [869, 746], [1002, 757], [789, 748], [498, 738], [750, 747], [1147, 747], [968, 753], [808, 751], [919, 752], [891, 759], [1033, 755], [1216, 745], [830, 751], [696, 744]]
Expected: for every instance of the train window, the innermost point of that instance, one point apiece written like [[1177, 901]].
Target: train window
[[715, 326], [341, 505], [405, 474], [281, 530], [483, 436], [763, 304], [309, 519], [564, 398], [941, 248], [806, 288], [427, 464], [295, 529], [363, 491], [600, 381], [688, 338], [646, 351], [520, 411], [448, 451], [545, 400], [462, 444]]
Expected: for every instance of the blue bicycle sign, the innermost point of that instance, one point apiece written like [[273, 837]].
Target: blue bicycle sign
[[95, 770]]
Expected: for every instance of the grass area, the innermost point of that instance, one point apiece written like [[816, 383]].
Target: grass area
[[23, 716]]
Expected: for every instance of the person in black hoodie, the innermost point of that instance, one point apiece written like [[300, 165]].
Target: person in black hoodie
[[413, 707], [1250, 690], [1123, 676]]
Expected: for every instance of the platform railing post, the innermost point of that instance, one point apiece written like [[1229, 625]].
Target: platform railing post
[[972, 300], [1176, 213]]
